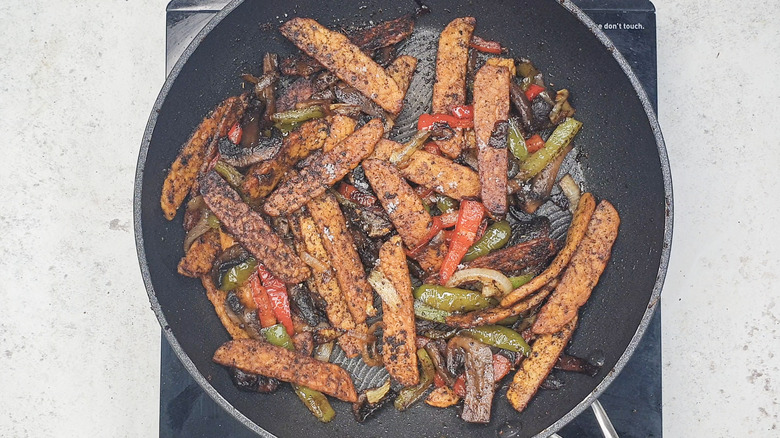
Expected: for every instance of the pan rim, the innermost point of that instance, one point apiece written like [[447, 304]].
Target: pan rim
[[566, 418]]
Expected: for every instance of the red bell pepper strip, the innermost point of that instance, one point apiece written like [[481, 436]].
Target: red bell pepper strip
[[438, 223], [235, 133], [277, 292], [501, 367], [432, 148], [353, 194], [438, 381], [459, 387], [533, 91], [465, 112], [485, 45], [265, 311], [534, 143], [469, 219], [426, 121]]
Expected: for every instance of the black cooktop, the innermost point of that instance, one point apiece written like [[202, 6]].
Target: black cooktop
[[633, 400]]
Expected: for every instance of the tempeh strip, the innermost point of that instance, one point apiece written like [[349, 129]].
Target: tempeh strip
[[579, 224], [315, 178], [399, 349], [496, 314], [402, 205], [198, 259], [249, 228], [544, 353], [581, 276], [263, 177], [343, 256], [258, 357], [402, 70], [491, 105], [184, 169], [346, 60], [341, 127], [442, 175], [326, 284], [217, 298]]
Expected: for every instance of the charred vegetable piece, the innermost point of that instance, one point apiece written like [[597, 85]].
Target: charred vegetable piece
[[373, 400], [409, 395], [302, 304], [576, 365], [479, 382], [496, 237], [485, 45], [236, 274], [231, 175], [262, 301], [469, 218], [559, 139], [253, 382], [452, 299], [516, 142], [500, 337], [518, 258]]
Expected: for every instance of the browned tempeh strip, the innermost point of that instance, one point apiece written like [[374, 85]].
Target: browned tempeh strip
[[383, 34], [402, 70], [432, 171], [343, 256], [342, 57], [516, 258], [402, 205], [217, 298], [251, 230], [326, 284], [442, 175], [184, 169], [491, 105], [341, 127], [201, 255], [579, 224], [400, 350], [534, 370], [258, 357], [583, 272], [315, 178], [263, 177], [451, 63], [496, 314], [452, 146]]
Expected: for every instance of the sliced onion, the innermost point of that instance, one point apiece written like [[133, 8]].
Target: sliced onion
[[314, 262], [200, 228], [374, 395], [571, 189], [385, 289], [493, 282], [322, 352]]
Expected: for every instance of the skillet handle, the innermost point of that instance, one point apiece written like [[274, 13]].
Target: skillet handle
[[601, 416]]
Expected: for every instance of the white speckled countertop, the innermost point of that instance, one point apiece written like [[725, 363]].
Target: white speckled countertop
[[79, 346]]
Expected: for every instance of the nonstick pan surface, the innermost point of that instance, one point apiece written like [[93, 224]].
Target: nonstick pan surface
[[620, 153]]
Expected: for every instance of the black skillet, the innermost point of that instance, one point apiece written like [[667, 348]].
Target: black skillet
[[622, 157]]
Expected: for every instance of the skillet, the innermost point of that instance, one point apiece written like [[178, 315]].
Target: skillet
[[622, 158]]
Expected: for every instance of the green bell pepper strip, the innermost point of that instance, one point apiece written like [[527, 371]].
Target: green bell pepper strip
[[231, 175], [298, 115], [445, 204], [452, 299], [557, 142], [521, 280], [496, 237], [516, 141], [237, 275], [409, 395], [509, 320], [315, 401], [500, 337], [424, 311]]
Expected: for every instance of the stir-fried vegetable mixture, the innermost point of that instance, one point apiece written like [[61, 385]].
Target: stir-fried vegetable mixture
[[312, 230]]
